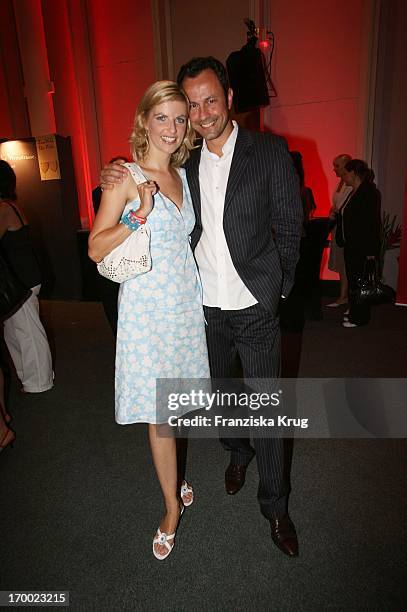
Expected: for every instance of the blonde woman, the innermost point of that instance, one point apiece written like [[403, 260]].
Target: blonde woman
[[160, 326]]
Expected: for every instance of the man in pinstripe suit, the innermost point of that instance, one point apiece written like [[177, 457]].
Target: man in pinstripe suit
[[246, 240]]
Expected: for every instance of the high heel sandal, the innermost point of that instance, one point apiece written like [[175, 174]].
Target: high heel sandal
[[186, 489], [163, 540], [8, 439]]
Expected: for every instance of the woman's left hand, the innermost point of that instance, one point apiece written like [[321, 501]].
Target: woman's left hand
[[146, 192], [370, 257]]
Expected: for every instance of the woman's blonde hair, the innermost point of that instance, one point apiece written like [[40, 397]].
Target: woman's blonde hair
[[157, 93]]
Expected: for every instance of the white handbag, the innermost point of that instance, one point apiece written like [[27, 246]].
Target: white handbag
[[132, 257]]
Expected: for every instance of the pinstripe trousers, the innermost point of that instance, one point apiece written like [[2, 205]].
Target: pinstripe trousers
[[253, 335]]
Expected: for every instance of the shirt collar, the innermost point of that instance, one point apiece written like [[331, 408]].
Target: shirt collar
[[229, 145]]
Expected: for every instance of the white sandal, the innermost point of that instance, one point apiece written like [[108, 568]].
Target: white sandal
[[187, 489], [163, 540]]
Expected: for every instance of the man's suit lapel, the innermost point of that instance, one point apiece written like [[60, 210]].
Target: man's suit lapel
[[193, 180], [240, 160]]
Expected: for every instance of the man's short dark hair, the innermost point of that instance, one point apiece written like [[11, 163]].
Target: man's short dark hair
[[198, 64]]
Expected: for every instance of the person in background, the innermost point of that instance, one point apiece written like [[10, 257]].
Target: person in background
[[109, 291], [358, 231], [307, 197], [24, 333], [336, 261], [161, 331]]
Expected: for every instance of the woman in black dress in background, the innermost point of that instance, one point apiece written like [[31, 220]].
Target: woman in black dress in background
[[358, 231]]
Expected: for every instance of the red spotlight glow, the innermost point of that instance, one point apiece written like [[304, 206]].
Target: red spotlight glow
[[264, 44]]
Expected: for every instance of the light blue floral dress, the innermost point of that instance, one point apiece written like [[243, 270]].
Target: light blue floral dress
[[161, 329]]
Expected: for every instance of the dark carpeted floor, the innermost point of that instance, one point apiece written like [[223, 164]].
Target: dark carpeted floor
[[80, 501]]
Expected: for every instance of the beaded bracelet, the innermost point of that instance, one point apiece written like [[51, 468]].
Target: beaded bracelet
[[132, 220]]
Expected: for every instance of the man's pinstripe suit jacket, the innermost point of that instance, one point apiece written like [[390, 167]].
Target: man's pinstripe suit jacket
[[262, 216]]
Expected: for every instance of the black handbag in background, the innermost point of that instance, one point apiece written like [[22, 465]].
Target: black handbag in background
[[13, 293], [369, 289]]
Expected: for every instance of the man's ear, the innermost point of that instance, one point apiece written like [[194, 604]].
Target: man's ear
[[230, 98]]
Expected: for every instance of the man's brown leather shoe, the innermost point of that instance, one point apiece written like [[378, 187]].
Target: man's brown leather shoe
[[284, 536], [234, 478]]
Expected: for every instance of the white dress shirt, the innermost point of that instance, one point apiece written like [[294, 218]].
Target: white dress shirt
[[222, 286]]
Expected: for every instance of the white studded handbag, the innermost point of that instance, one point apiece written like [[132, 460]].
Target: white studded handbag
[[132, 257], [129, 259]]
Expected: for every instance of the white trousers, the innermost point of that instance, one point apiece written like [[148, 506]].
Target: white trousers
[[28, 346]]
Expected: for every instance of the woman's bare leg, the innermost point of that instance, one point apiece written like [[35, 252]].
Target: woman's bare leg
[[182, 450], [343, 297], [163, 450]]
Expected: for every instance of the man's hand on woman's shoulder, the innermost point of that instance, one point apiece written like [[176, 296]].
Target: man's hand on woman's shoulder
[[112, 174]]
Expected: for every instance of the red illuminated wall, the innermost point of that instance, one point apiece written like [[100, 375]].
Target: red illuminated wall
[[317, 68], [64, 30], [100, 57], [123, 59], [13, 113]]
